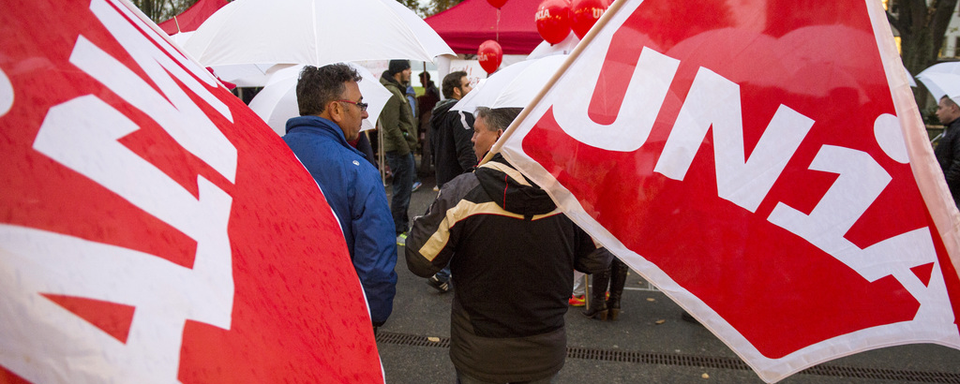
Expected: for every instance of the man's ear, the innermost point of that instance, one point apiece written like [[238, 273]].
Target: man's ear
[[335, 111], [456, 92]]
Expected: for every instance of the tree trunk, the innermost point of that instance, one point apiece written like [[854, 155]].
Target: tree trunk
[[161, 10], [922, 28]]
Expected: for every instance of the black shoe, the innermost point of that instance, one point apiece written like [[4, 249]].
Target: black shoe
[[597, 305], [598, 312], [442, 286]]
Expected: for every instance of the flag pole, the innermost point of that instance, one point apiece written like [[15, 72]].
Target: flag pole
[[607, 15]]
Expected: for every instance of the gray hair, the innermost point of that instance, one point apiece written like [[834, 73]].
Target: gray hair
[[499, 118], [317, 87]]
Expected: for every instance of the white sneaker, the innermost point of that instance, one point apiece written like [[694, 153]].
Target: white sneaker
[[402, 239]]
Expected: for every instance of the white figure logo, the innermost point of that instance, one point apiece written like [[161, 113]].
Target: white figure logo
[[82, 134]]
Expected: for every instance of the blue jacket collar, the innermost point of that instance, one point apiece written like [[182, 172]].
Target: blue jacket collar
[[321, 125]]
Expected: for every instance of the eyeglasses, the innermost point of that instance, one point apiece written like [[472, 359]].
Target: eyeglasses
[[363, 106]]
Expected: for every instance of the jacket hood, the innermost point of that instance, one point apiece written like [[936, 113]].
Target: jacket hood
[[444, 106], [387, 79], [511, 190]]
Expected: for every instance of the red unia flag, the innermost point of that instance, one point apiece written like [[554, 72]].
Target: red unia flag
[[152, 228], [764, 164]]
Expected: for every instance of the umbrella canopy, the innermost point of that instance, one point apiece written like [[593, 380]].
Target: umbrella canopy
[[241, 75], [181, 38], [564, 47], [277, 101], [942, 79], [514, 86], [910, 80], [316, 32], [248, 75]]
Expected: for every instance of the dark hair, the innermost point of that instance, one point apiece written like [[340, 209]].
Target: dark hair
[[499, 118], [424, 77], [317, 87], [950, 102], [397, 66], [451, 81]]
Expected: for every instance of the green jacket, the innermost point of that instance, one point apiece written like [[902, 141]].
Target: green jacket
[[399, 129]]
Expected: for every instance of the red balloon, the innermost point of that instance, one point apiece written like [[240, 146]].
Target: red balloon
[[490, 55], [497, 3], [553, 20], [585, 14]]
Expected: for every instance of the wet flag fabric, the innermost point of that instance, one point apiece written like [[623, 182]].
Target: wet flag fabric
[[152, 228], [764, 164]]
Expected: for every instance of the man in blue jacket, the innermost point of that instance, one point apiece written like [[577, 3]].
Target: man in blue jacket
[[331, 110]]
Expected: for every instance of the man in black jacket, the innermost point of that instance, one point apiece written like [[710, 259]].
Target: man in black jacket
[[513, 252], [452, 130], [948, 149]]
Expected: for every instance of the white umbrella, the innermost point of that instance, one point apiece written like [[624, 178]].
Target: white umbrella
[[514, 86], [316, 32], [942, 79], [248, 75], [564, 47], [277, 101], [909, 77], [242, 75], [181, 38]]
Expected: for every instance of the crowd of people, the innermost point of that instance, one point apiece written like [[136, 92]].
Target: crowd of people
[[512, 251]]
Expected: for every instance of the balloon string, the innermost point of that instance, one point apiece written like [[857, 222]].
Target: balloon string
[[498, 25]]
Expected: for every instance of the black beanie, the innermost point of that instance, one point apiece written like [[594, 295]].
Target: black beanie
[[397, 66]]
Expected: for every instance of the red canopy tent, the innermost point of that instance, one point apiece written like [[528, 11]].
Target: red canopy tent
[[191, 19], [472, 22]]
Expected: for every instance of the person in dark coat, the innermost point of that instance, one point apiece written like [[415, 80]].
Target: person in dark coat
[[425, 104], [453, 151], [454, 129], [948, 148], [513, 253]]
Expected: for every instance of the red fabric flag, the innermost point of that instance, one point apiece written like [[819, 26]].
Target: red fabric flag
[[764, 165], [152, 228]]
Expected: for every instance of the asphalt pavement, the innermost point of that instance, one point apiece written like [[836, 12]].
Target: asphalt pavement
[[649, 343]]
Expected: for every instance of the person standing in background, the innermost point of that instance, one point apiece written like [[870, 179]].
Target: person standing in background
[[513, 253], [453, 129], [948, 148], [453, 151], [425, 104], [399, 143], [332, 109]]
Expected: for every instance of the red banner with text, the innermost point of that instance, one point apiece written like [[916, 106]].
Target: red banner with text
[[152, 227], [764, 164]]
